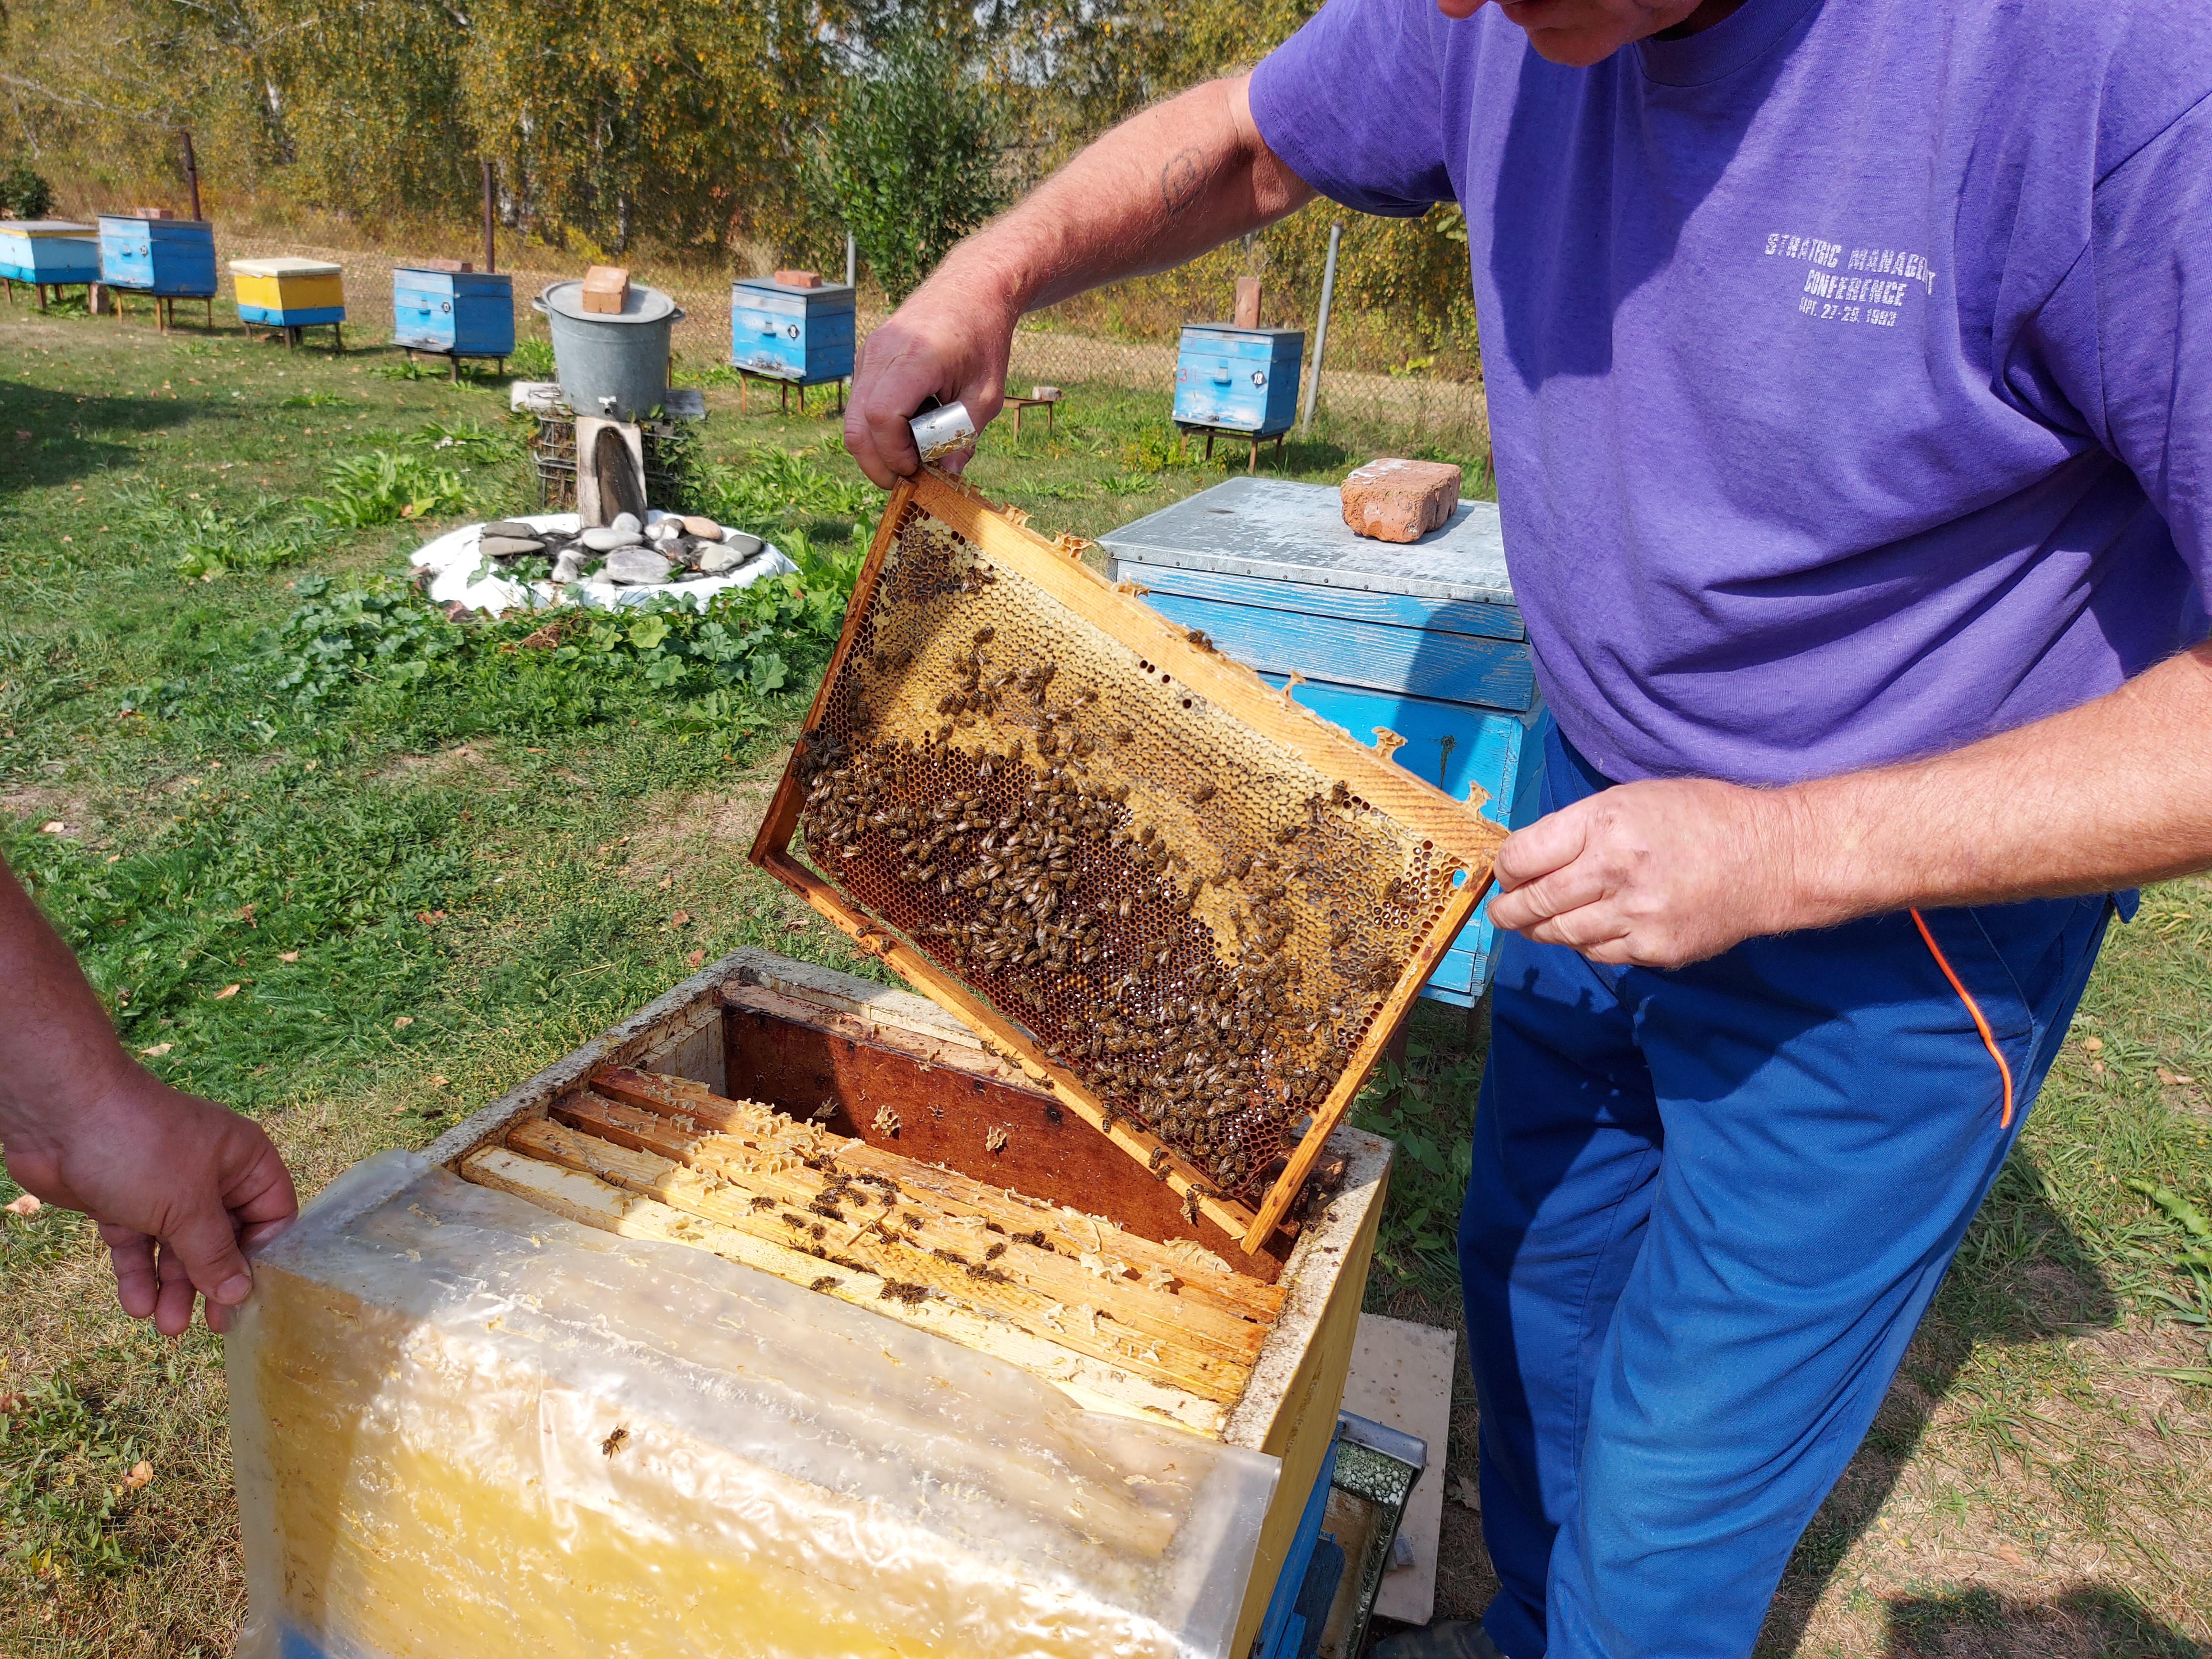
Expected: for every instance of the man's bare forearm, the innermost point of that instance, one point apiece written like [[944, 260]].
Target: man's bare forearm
[[1161, 188], [2113, 793], [57, 1048], [1183, 177]]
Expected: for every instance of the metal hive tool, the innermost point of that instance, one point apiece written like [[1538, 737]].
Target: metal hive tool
[[1193, 909]]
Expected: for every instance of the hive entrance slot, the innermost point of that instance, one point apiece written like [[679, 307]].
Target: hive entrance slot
[[1115, 853]]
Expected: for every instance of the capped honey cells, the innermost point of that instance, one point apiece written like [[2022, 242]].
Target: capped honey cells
[[1197, 923]]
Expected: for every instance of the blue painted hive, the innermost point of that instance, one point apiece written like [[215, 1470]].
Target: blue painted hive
[[1422, 640], [48, 251], [169, 258], [802, 335], [1240, 380], [467, 313]]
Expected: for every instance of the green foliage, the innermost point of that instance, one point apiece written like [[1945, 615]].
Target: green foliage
[[23, 193], [532, 359], [774, 486], [668, 657], [64, 1457], [385, 486], [208, 542], [1427, 1106], [910, 160]]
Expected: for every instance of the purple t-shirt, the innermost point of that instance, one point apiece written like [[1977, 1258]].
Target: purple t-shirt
[[1850, 364]]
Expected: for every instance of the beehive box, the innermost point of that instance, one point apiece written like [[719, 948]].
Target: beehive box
[[48, 251], [466, 313], [1239, 379], [1422, 642], [170, 258], [405, 1491], [802, 335], [289, 293]]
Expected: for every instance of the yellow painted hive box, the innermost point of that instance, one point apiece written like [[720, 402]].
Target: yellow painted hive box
[[289, 293], [785, 1318]]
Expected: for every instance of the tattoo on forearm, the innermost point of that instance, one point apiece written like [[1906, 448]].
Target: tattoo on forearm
[[1181, 179]]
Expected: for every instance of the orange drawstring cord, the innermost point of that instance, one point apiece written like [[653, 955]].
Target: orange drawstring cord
[[1989, 1038]]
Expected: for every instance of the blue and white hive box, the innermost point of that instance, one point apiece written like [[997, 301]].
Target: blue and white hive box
[[1240, 380], [170, 258], [1422, 640], [48, 251], [802, 335], [467, 313]]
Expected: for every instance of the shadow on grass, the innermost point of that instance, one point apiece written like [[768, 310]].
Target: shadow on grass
[[2021, 1277], [69, 437], [2094, 1621]]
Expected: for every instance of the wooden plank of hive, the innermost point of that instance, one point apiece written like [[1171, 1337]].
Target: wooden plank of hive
[[580, 1197], [1155, 1353], [1199, 1274], [1155, 1306]]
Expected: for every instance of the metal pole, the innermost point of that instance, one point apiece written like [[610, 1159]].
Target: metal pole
[[191, 172], [491, 261], [852, 258], [1320, 328]]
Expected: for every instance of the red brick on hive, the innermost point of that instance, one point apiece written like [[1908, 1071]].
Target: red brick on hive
[[1394, 500]]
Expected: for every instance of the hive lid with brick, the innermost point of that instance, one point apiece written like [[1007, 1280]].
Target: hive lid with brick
[[641, 305], [1291, 531]]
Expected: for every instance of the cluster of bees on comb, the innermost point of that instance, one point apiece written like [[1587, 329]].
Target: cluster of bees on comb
[[1035, 883], [978, 802]]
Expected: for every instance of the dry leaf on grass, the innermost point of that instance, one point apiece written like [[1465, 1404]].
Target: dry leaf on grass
[[1464, 1492], [438, 1079], [227, 991], [53, 829], [158, 1049], [26, 1205], [694, 958], [403, 1020], [141, 1473], [680, 917], [287, 956]]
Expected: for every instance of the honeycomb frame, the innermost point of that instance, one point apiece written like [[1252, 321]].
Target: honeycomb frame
[[1188, 905]]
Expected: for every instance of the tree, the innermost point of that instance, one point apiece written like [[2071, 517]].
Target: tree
[[911, 159]]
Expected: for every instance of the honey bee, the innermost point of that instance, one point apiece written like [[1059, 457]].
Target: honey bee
[[614, 1443]]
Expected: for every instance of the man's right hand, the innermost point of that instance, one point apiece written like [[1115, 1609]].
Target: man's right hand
[[949, 340], [1166, 184]]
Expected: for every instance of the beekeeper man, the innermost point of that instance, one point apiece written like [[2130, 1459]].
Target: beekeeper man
[[1850, 369]]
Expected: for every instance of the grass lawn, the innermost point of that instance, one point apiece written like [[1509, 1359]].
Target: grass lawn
[[357, 871]]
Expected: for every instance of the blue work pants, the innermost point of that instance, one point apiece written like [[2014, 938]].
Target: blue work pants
[[1708, 1208]]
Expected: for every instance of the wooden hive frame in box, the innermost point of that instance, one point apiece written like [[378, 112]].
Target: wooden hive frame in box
[[773, 1047], [1192, 909]]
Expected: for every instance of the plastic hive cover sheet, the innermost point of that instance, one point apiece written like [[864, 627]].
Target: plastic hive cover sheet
[[465, 1427]]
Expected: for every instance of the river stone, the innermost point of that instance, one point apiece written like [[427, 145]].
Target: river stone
[[636, 568], [705, 529], [514, 528], [624, 521], [509, 547], [570, 565], [720, 559], [607, 540], [747, 546]]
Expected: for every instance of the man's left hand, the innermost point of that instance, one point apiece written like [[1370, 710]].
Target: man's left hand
[[1653, 874]]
